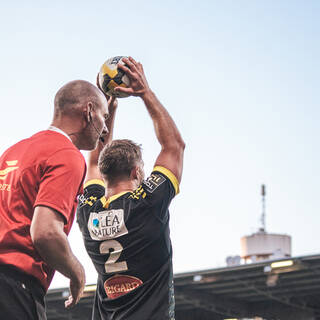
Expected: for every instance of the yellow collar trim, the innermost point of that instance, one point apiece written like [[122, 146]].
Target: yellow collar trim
[[105, 202]]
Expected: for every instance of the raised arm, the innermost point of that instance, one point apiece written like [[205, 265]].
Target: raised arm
[[92, 163], [172, 145]]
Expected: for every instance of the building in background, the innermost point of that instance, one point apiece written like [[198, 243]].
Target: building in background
[[262, 246]]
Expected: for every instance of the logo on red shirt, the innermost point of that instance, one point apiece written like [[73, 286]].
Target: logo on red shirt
[[10, 167]]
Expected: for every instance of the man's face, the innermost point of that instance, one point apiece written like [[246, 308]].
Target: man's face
[[96, 127], [101, 117]]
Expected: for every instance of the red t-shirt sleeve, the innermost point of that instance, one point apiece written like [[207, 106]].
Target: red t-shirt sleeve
[[61, 181]]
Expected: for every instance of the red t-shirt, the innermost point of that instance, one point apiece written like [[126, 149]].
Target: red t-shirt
[[45, 169]]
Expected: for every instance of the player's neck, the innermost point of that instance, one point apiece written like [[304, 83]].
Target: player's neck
[[71, 127], [121, 186]]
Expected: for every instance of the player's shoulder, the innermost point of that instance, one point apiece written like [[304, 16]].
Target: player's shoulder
[[43, 151], [53, 142], [94, 187], [50, 149], [93, 191], [160, 183], [159, 176], [94, 183]]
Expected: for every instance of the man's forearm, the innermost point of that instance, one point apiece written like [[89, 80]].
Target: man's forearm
[[172, 145], [166, 131], [110, 121], [55, 250]]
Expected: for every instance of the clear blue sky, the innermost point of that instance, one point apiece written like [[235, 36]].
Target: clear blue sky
[[241, 80]]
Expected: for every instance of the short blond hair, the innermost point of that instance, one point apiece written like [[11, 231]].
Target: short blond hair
[[117, 160]]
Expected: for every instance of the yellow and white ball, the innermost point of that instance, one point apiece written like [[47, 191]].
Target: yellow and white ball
[[111, 77]]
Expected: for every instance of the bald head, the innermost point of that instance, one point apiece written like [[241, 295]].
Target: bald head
[[73, 95], [80, 110]]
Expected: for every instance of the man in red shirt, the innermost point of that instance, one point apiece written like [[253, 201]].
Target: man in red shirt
[[40, 179]]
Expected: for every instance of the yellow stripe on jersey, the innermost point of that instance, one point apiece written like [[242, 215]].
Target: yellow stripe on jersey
[[137, 193], [169, 175], [94, 181]]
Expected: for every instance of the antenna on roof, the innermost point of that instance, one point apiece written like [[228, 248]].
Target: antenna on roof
[[263, 216]]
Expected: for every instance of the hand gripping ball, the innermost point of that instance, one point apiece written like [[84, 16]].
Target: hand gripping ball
[[111, 77]]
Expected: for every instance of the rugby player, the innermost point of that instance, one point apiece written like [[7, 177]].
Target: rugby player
[[124, 218]]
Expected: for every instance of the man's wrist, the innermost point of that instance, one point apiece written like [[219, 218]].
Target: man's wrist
[[148, 96]]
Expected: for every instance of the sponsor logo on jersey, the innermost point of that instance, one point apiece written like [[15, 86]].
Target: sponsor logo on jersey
[[107, 224], [11, 166], [81, 200], [117, 285], [153, 182], [5, 187]]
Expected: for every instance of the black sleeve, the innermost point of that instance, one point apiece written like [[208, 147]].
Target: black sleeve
[[157, 191]]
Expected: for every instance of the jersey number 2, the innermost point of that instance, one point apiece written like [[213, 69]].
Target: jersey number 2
[[114, 248]]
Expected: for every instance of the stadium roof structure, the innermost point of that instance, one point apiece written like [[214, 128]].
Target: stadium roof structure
[[273, 289]]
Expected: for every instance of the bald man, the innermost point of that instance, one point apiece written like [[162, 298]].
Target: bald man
[[40, 179]]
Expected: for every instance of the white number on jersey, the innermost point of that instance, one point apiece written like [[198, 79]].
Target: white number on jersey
[[114, 248]]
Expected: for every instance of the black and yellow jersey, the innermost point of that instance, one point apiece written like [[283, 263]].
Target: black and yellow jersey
[[127, 238]]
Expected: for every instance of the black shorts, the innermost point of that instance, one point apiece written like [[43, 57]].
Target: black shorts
[[21, 296]]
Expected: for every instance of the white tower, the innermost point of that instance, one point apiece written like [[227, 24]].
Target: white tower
[[262, 245]]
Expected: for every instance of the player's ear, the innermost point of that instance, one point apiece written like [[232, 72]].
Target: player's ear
[[134, 174], [87, 111]]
